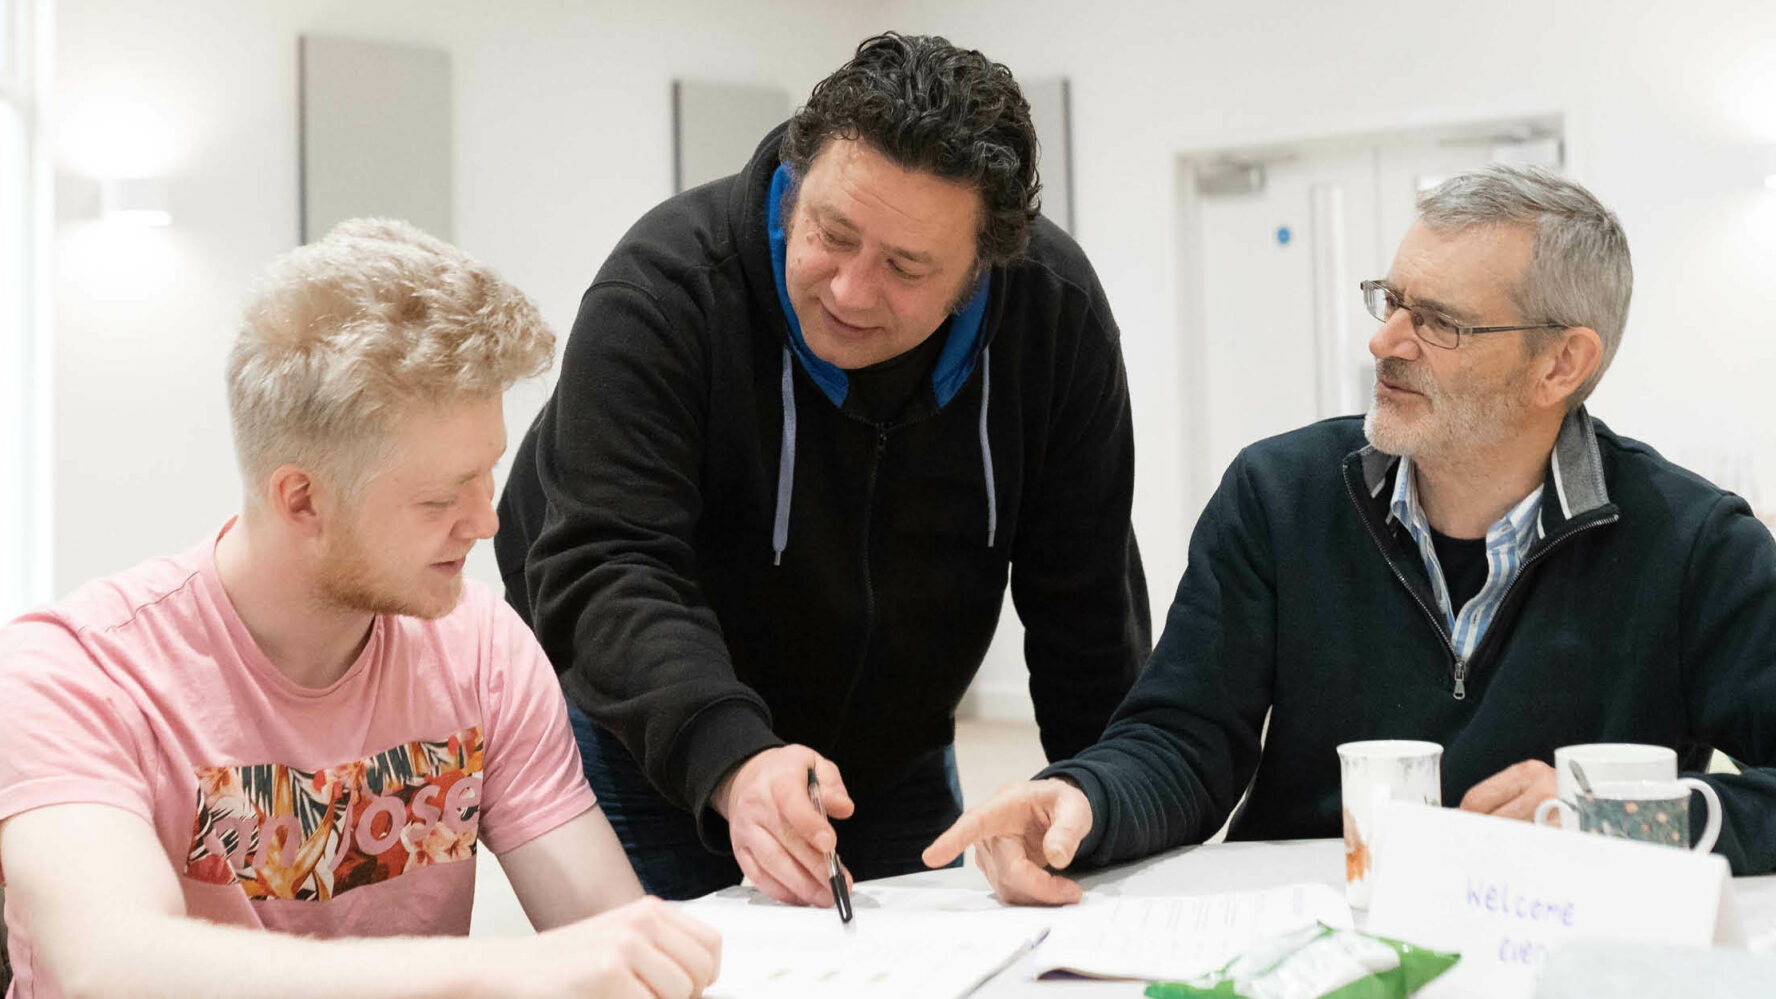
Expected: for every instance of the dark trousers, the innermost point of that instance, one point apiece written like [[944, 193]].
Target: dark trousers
[[883, 837]]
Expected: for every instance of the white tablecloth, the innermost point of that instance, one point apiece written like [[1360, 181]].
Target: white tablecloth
[[1224, 867]]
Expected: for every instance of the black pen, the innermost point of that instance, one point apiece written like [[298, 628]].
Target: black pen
[[835, 874]]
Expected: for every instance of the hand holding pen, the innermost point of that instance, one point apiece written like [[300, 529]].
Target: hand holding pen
[[781, 837], [841, 891]]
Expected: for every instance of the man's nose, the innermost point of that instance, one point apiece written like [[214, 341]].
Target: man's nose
[[482, 521], [1395, 338], [854, 284]]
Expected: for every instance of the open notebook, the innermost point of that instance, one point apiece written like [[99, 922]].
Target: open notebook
[[943, 943]]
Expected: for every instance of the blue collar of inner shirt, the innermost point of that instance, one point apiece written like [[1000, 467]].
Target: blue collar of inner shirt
[[1517, 526]]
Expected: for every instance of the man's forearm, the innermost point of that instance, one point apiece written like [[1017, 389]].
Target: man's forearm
[[153, 956]]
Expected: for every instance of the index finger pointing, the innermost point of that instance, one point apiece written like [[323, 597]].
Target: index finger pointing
[[1006, 814], [952, 841]]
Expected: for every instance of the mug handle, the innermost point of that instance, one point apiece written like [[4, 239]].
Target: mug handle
[[1544, 809], [1710, 832]]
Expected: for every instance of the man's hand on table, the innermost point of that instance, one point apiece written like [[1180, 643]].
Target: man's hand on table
[[1017, 834], [779, 838], [1513, 792], [646, 949]]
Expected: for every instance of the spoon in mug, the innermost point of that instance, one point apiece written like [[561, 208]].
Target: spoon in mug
[[1579, 776]]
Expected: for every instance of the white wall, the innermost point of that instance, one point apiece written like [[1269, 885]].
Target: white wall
[[563, 119], [1665, 116], [142, 318], [563, 132], [1671, 119]]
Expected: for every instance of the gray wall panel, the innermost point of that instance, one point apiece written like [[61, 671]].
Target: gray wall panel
[[376, 134], [718, 125]]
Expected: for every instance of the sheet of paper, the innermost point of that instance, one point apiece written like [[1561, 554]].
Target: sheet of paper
[[878, 896], [933, 951], [1166, 939]]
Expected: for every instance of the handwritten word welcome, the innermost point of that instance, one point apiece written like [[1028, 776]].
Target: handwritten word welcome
[[1498, 899]]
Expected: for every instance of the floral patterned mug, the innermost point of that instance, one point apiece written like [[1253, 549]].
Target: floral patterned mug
[[1653, 811]]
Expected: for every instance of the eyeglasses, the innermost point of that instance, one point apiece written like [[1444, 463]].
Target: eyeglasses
[[1434, 329]]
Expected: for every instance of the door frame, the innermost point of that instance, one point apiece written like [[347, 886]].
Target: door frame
[[1197, 478]]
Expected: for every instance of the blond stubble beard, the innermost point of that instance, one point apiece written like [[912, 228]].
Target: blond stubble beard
[[346, 580]]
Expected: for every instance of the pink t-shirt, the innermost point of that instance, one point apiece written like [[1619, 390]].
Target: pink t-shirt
[[352, 810]]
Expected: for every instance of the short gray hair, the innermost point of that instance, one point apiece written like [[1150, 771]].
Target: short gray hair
[[1579, 270], [344, 334]]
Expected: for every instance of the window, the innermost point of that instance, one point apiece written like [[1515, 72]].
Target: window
[[24, 218]]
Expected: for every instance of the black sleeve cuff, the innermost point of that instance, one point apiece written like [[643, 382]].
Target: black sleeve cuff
[[1081, 776], [710, 747]]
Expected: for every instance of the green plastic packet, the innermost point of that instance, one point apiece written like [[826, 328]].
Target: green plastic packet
[[1317, 962]]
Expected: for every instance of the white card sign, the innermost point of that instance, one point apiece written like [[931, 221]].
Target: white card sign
[[1505, 893]]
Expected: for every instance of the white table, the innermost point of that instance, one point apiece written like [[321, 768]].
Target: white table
[[1224, 867]]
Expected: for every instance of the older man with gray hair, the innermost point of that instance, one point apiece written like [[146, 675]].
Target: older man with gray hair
[[1477, 562]]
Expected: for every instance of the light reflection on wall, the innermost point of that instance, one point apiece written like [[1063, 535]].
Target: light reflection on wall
[[117, 136], [117, 262], [1748, 88], [100, 140]]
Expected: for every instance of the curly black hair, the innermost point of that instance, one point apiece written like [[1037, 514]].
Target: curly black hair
[[928, 105]]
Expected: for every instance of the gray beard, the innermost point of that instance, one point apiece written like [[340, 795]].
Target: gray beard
[[1460, 421]]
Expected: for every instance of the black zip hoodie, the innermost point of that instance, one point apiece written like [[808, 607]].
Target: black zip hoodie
[[718, 559]]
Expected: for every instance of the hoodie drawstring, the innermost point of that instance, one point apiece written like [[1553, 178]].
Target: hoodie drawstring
[[786, 457], [987, 448], [785, 464]]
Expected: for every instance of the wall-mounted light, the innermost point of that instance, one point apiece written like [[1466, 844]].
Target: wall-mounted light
[[134, 201]]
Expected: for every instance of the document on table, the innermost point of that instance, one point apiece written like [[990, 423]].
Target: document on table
[[943, 943], [1167, 939], [929, 952]]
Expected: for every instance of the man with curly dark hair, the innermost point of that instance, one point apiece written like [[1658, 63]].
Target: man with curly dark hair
[[810, 420]]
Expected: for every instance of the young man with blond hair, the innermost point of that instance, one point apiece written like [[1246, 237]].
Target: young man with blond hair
[[308, 723]]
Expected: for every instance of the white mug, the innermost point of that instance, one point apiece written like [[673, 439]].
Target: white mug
[[1377, 771], [1652, 811], [1603, 761]]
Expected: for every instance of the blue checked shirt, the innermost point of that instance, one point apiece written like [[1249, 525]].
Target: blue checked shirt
[[1507, 541]]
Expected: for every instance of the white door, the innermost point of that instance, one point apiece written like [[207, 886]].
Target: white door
[[1282, 331], [1262, 312]]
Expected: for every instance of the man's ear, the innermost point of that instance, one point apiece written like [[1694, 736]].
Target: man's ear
[[1572, 361], [290, 497]]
